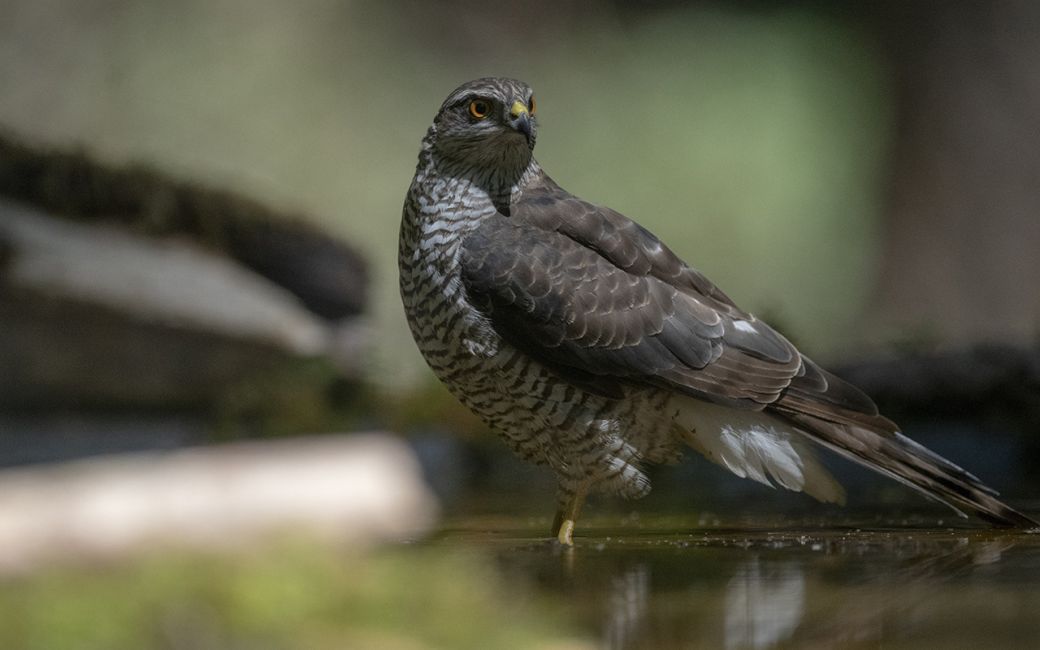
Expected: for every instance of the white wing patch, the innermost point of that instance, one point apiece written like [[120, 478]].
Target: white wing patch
[[756, 446], [744, 326]]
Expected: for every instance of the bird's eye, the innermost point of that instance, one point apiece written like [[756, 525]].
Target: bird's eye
[[531, 106], [479, 108]]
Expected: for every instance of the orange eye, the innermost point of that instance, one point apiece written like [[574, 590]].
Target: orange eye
[[531, 106], [479, 108]]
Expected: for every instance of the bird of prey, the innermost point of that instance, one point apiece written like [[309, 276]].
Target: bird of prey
[[593, 349]]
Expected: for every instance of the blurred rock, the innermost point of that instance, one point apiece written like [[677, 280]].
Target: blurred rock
[[123, 289], [170, 282], [327, 275], [353, 489], [97, 316]]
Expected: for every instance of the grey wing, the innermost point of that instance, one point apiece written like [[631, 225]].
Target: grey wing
[[567, 303], [627, 245]]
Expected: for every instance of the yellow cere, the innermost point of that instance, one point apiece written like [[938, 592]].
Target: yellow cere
[[517, 109]]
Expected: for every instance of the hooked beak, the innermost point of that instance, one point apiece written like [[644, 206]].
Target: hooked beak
[[521, 120]]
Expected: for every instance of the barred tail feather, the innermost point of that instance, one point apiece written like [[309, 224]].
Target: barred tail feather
[[914, 465]]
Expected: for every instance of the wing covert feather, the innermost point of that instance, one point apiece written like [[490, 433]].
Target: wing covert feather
[[574, 309], [600, 299]]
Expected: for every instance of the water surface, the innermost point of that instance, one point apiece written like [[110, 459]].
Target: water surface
[[674, 582]]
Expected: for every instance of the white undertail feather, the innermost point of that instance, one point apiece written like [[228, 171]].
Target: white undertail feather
[[757, 446]]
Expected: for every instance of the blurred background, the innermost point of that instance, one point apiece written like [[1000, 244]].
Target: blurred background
[[199, 204]]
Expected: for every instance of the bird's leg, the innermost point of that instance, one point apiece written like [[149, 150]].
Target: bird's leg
[[571, 501]]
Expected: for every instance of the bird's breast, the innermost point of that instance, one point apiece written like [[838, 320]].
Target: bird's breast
[[448, 329]]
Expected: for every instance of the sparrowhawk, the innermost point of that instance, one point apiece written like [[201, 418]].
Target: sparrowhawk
[[592, 348]]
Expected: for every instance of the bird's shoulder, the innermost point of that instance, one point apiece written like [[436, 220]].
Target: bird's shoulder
[[626, 244]]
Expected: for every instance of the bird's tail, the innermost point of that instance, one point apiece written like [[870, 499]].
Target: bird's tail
[[914, 465]]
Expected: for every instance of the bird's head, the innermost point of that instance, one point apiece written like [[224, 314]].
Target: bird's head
[[487, 124]]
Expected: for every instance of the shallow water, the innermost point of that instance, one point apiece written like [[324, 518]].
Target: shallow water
[[673, 582]]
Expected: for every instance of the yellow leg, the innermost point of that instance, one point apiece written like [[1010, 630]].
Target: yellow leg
[[565, 536], [567, 514]]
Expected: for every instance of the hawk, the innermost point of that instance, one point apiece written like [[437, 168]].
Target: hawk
[[593, 349]]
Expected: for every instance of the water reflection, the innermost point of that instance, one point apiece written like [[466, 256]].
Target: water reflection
[[767, 586], [764, 603], [915, 596], [626, 609]]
